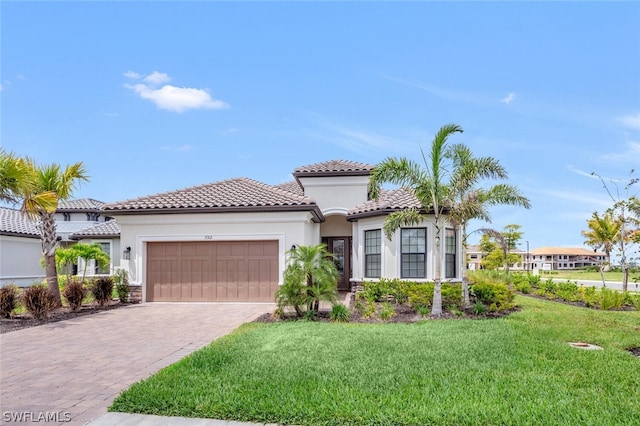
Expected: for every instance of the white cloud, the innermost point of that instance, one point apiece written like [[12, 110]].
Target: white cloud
[[21, 77], [509, 98], [169, 97], [440, 92], [1, 87], [132, 74], [157, 78], [632, 120], [581, 172]]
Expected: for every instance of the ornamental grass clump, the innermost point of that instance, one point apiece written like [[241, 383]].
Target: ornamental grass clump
[[102, 288], [9, 300], [74, 293], [38, 301]]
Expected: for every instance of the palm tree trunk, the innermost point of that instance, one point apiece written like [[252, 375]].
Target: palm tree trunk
[[436, 308], [49, 243], [465, 279]]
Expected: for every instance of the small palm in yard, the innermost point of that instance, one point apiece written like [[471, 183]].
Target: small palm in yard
[[311, 277]]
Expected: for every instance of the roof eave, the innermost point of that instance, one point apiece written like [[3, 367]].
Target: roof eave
[[312, 208], [19, 234]]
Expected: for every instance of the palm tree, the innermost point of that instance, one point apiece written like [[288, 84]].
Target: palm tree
[[310, 277], [603, 233], [428, 185], [466, 202], [17, 179], [41, 184]]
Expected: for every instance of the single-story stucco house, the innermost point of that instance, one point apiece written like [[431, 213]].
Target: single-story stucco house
[[228, 240], [20, 249]]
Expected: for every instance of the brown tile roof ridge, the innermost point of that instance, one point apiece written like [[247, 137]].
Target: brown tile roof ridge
[[106, 229], [81, 204], [334, 167], [234, 192], [15, 223], [388, 202]]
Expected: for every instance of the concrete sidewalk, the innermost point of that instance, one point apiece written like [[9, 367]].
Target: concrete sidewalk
[[71, 371], [113, 419]]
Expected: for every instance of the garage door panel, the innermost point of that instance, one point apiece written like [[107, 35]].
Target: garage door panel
[[212, 271]]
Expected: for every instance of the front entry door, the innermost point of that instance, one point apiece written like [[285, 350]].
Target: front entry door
[[341, 249]]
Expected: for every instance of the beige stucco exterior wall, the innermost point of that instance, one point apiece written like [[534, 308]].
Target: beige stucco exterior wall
[[391, 250], [288, 228], [20, 260], [336, 226], [336, 195]]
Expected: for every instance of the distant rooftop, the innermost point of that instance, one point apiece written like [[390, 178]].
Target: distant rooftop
[[15, 223], [108, 229], [80, 205]]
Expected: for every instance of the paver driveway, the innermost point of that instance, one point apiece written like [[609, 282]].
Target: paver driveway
[[76, 368]]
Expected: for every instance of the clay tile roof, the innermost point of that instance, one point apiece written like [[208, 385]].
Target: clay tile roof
[[232, 195], [81, 205], [292, 186], [13, 222], [334, 168], [108, 229], [569, 251], [388, 202]]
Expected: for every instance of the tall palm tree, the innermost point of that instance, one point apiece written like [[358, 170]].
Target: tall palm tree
[[466, 201], [429, 186], [45, 182], [603, 233]]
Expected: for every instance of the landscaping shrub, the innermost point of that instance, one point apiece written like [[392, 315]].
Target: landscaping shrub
[[452, 296], [9, 300], [292, 293], [589, 296], [521, 283], [420, 295], [568, 291], [339, 313], [37, 301], [496, 296], [387, 311], [375, 291], [479, 308], [611, 299], [74, 293], [101, 289], [634, 300], [121, 281]]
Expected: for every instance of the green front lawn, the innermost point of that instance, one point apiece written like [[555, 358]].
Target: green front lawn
[[515, 370], [588, 275]]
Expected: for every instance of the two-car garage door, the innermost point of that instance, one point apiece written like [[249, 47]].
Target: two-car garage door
[[212, 271]]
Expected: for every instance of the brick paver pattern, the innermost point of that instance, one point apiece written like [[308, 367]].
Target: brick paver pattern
[[77, 367]]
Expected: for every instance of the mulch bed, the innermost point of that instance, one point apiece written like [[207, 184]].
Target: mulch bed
[[404, 314], [22, 321]]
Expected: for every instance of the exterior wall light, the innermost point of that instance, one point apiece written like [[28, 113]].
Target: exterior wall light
[[126, 253]]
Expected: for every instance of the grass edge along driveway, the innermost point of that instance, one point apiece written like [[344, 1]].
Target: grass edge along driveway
[[516, 370]]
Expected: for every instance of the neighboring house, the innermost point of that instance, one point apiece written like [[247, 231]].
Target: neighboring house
[[228, 240], [107, 235], [544, 258], [76, 220], [20, 249], [475, 257], [76, 215], [558, 258]]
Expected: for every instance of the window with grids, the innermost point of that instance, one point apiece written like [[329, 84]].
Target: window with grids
[[372, 253], [450, 253], [413, 248], [106, 247]]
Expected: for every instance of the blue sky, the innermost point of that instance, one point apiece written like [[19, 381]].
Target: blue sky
[[156, 96]]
